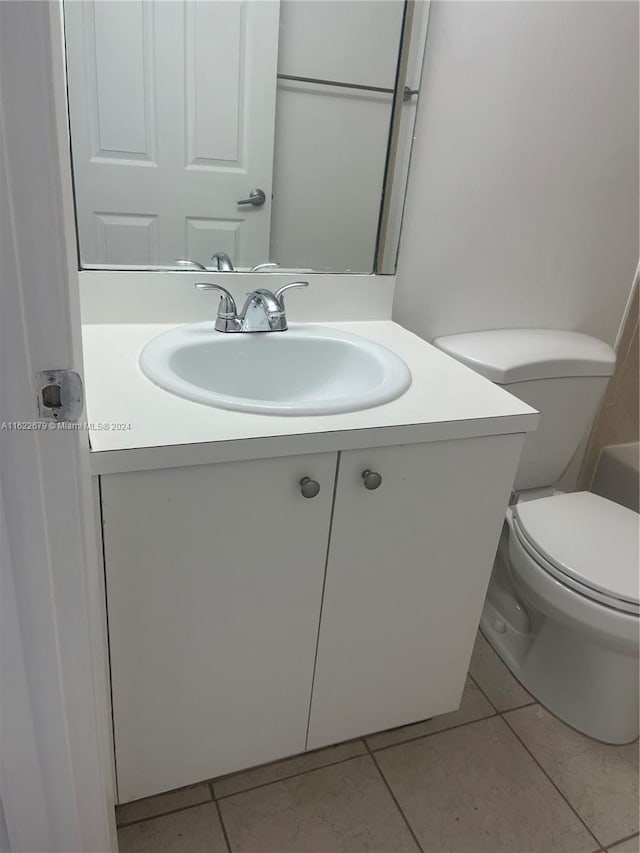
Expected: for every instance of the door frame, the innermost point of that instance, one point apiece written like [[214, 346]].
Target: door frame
[[56, 763]]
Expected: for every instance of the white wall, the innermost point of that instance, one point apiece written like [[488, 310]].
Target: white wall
[[352, 41], [523, 192], [4, 835], [331, 143]]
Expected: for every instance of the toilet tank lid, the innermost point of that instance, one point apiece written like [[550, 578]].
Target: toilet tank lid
[[518, 355]]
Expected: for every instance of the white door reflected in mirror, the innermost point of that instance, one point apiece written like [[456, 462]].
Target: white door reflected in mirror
[[185, 113], [164, 127]]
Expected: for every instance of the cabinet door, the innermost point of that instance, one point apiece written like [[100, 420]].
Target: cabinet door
[[407, 573], [214, 584]]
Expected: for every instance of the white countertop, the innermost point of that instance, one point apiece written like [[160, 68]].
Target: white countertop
[[445, 401]]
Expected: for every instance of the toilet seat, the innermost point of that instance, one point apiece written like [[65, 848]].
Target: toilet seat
[[586, 542]]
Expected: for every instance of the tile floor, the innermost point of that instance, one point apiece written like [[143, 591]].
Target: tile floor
[[500, 775]]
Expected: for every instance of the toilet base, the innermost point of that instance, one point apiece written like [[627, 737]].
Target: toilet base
[[582, 678]]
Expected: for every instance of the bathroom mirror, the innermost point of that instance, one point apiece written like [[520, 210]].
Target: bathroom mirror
[[273, 132]]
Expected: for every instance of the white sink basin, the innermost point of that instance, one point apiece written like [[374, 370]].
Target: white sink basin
[[307, 370]]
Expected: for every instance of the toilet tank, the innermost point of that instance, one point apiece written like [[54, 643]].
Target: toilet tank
[[561, 374]]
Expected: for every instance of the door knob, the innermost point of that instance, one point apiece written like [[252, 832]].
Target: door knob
[[256, 197], [309, 488], [371, 479]]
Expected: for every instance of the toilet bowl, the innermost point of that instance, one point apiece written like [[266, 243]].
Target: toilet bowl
[[570, 565], [562, 608]]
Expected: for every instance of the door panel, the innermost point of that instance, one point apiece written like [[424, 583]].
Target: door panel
[[172, 110], [203, 233], [215, 33], [120, 81], [135, 235], [214, 581], [407, 573]]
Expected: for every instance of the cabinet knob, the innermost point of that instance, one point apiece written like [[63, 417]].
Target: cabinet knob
[[371, 479], [309, 488]]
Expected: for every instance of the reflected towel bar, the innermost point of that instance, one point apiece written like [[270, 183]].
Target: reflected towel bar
[[407, 92]]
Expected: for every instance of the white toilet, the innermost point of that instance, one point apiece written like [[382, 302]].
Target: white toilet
[[562, 609]]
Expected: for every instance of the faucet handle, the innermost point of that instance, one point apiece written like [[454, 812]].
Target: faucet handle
[[279, 293], [186, 263], [261, 267], [227, 307]]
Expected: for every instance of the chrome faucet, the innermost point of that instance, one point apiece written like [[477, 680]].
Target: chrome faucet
[[263, 310], [221, 262]]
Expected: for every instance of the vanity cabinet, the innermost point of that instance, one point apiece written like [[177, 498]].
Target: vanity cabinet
[[214, 580], [248, 622], [407, 573]]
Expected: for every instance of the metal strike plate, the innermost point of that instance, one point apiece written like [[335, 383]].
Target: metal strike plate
[[60, 395]]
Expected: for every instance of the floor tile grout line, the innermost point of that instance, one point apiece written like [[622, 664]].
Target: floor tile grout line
[[613, 844], [223, 827], [291, 775], [214, 780], [477, 684], [202, 784], [533, 701], [519, 707], [395, 800], [147, 818], [431, 734], [564, 797]]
